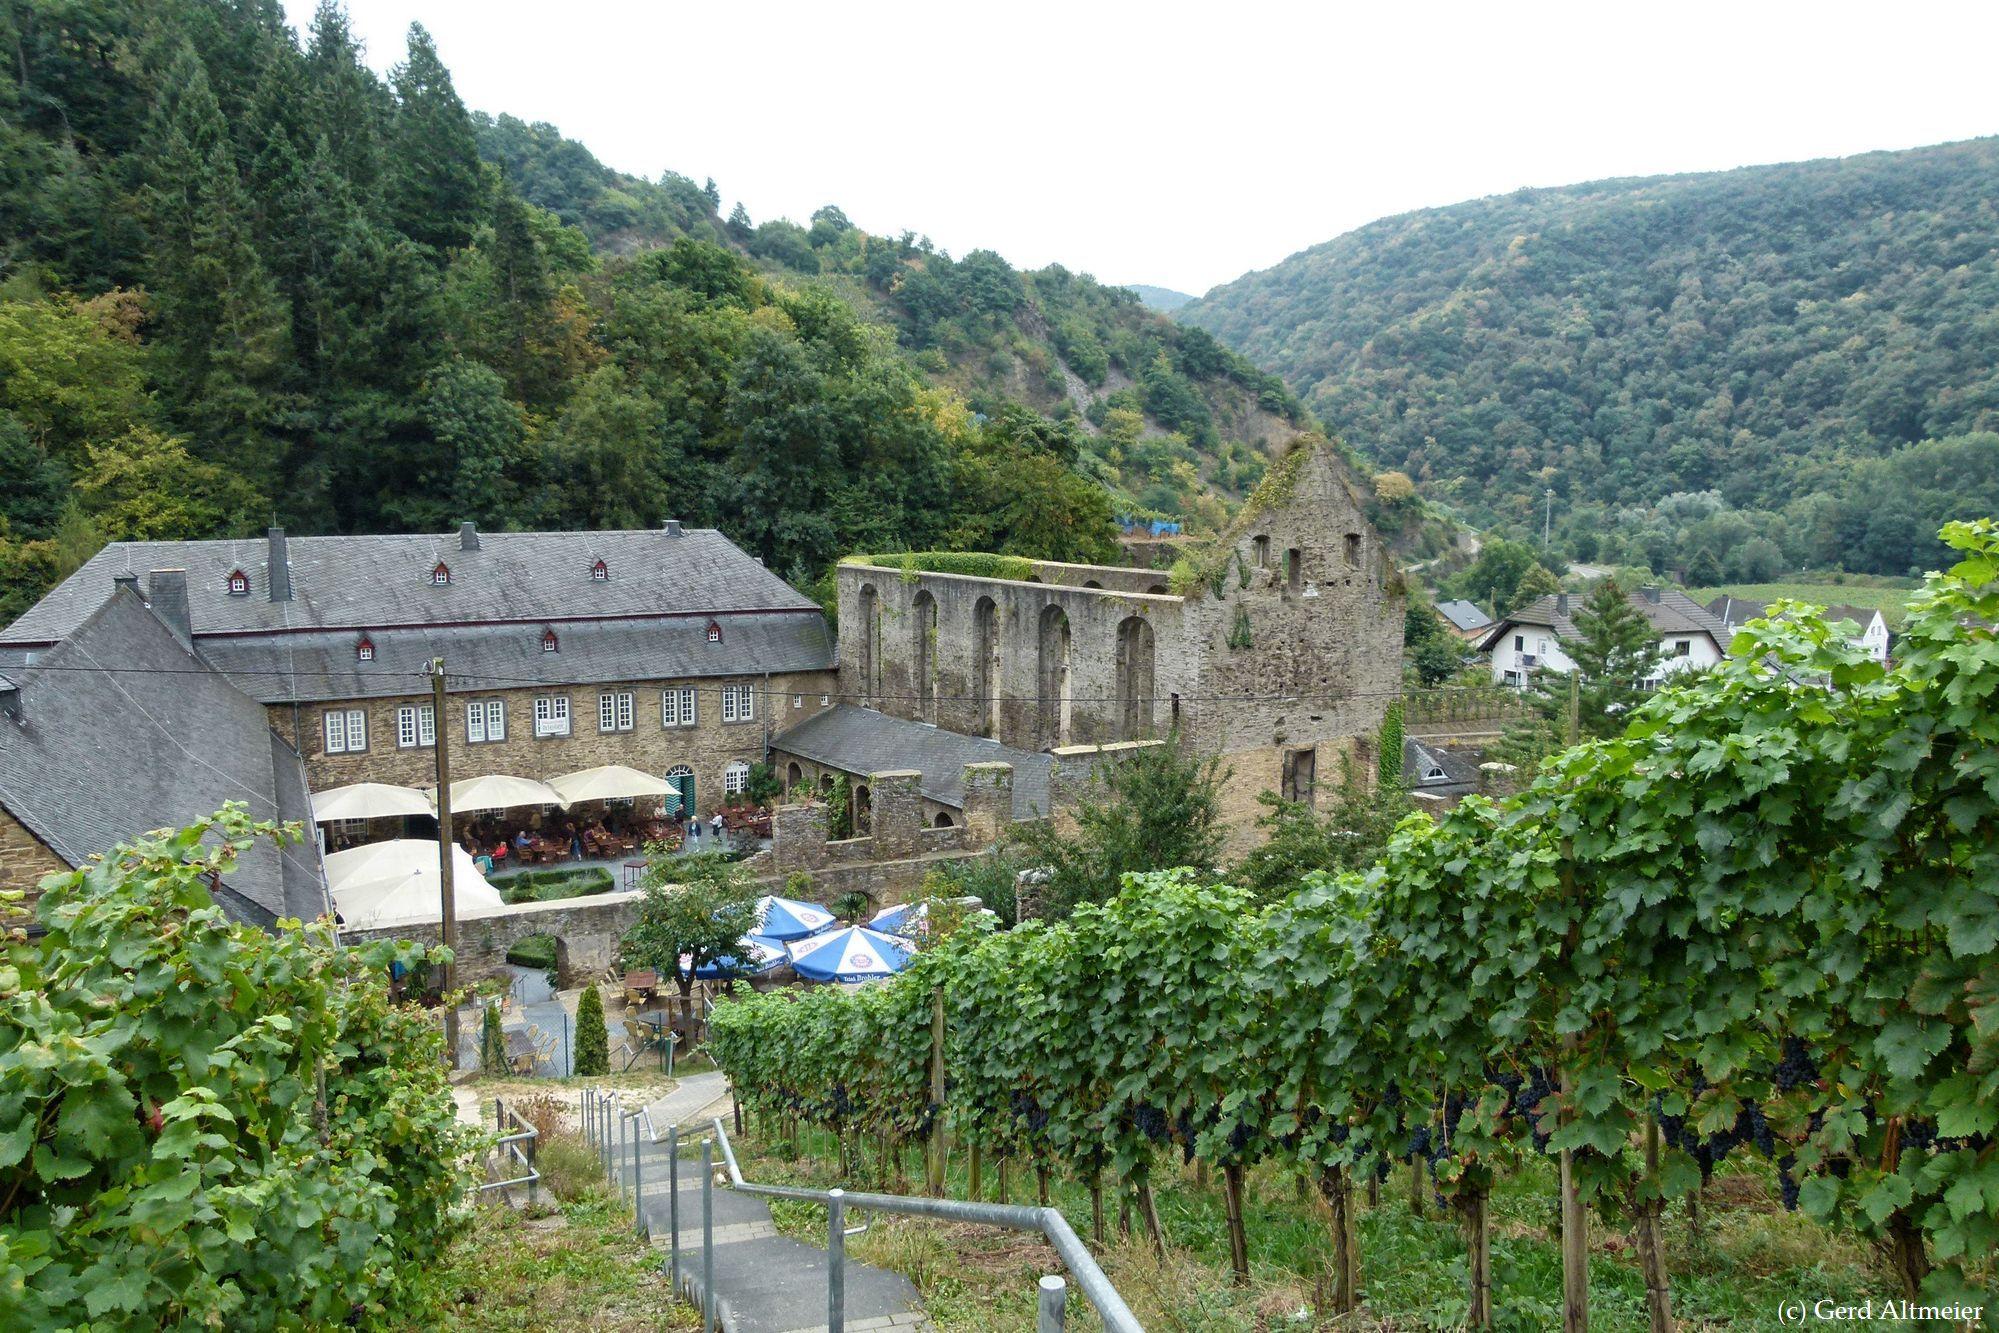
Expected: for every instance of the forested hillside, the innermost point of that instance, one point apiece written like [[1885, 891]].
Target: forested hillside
[[1170, 421], [243, 278], [1736, 363]]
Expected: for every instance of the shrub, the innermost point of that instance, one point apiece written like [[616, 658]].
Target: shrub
[[593, 1044], [492, 1042], [204, 1124]]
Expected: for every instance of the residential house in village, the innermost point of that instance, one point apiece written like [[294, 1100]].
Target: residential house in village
[[1465, 619], [1870, 626], [1530, 639]]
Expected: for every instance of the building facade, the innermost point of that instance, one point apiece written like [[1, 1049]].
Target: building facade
[[1530, 639], [1277, 646]]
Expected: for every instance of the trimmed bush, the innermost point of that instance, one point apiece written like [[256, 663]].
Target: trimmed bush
[[593, 1043]]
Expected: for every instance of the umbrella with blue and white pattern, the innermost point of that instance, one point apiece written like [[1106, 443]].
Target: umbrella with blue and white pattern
[[853, 954], [754, 954], [789, 919]]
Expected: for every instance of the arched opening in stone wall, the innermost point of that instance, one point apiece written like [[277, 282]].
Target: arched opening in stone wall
[[538, 1034], [1159, 590], [1134, 678], [1294, 569], [924, 629], [1052, 676], [869, 611], [794, 777], [986, 666], [943, 820], [864, 811]]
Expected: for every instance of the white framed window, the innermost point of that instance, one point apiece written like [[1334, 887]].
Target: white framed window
[[614, 710], [485, 721], [440, 575], [239, 583], [676, 706], [798, 701], [714, 632], [551, 715], [364, 651], [739, 703], [600, 571], [549, 643], [416, 725], [735, 778], [825, 699], [346, 731]]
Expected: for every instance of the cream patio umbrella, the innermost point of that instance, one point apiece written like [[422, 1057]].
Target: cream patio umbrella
[[368, 800], [497, 791], [608, 783], [398, 881]]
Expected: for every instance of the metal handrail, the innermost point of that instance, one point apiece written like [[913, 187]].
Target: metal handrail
[[1055, 1228], [509, 1146]]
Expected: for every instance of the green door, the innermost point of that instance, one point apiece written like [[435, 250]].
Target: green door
[[684, 805]]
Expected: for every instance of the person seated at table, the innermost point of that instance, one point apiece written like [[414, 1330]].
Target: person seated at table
[[523, 844], [500, 851]]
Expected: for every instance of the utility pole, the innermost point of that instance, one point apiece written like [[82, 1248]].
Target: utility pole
[[1547, 514], [448, 920]]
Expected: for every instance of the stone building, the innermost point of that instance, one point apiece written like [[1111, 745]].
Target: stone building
[[1277, 646], [669, 650], [121, 728]]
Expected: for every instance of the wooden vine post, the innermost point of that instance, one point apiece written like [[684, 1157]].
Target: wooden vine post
[[1478, 1247], [1232, 1180], [1334, 1189], [1651, 1247], [934, 1168], [1575, 1219]]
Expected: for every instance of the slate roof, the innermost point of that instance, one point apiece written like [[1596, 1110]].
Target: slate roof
[[1673, 613], [1463, 615], [1420, 760], [860, 741], [122, 730], [322, 664], [1738, 611], [380, 581]]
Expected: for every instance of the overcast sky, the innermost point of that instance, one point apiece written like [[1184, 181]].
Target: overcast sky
[[1185, 145]]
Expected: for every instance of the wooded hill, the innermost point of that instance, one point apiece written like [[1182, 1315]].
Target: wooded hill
[[1692, 363], [242, 277], [1168, 416]]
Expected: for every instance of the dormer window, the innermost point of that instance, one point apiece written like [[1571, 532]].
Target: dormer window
[[600, 571], [1434, 775], [441, 576], [364, 649], [549, 643], [239, 583], [714, 632]]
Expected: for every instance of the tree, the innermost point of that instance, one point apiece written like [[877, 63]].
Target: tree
[[739, 226], [1351, 834], [493, 1042], [1154, 810], [694, 911], [144, 486], [1434, 652], [593, 1043], [1703, 570], [440, 186], [33, 486]]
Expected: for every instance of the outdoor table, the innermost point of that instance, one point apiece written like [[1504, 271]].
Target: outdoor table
[[639, 986], [520, 1052], [633, 869]]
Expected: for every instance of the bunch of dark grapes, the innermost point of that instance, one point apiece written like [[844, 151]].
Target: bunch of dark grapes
[[1787, 1184], [1918, 1134], [1509, 1083], [1535, 1089], [1027, 1109], [1419, 1144], [1149, 1121], [1795, 1068], [1239, 1138], [1752, 1126]]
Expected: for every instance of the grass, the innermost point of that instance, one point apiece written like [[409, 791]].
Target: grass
[[530, 886], [536, 951], [1750, 1255], [572, 1263], [1860, 590]]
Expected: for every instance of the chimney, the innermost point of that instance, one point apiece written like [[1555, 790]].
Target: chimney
[[1652, 593], [672, 527], [166, 593], [468, 536], [130, 581], [1561, 603], [280, 571]]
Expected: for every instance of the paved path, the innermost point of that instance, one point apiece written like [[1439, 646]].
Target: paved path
[[698, 1099], [764, 1282]]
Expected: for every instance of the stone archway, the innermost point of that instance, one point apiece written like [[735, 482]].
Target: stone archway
[[986, 666], [869, 611], [924, 653], [1134, 678], [1052, 676]]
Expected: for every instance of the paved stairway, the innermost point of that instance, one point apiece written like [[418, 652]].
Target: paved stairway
[[764, 1282]]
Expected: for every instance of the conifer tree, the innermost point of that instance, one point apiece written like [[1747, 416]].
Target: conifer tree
[[492, 1042], [439, 184], [223, 325], [593, 1043], [1615, 650], [348, 104]]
